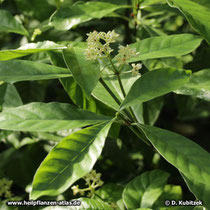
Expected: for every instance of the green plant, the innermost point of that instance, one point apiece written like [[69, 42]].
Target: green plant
[[111, 98]]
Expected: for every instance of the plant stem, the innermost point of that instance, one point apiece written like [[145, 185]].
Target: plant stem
[[122, 88], [138, 135], [109, 91], [113, 66], [114, 97], [126, 112], [121, 85], [133, 114]]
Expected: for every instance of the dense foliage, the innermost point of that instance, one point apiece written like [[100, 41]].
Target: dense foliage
[[106, 102]]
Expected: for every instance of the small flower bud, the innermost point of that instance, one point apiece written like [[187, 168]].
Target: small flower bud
[[124, 54], [75, 189], [136, 68]]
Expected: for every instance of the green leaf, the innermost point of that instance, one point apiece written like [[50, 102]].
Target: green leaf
[[112, 82], [35, 9], [152, 110], [155, 83], [170, 192], [9, 24], [75, 92], [69, 160], [191, 159], [47, 117], [165, 46], [86, 203], [86, 73], [9, 97], [89, 203], [79, 98], [29, 48], [20, 70], [145, 189], [110, 193], [147, 3], [199, 189], [102, 95], [66, 18], [197, 12], [198, 85]]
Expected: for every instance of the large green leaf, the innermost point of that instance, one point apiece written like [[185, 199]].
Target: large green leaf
[[198, 189], [147, 3], [9, 24], [9, 97], [197, 13], [155, 83], [198, 85], [66, 18], [145, 189], [29, 48], [110, 193], [86, 73], [152, 110], [69, 160], [20, 70], [44, 117], [165, 46], [191, 159], [170, 192]]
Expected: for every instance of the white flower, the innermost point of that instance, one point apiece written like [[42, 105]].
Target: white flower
[[136, 68], [110, 36], [75, 189], [124, 54]]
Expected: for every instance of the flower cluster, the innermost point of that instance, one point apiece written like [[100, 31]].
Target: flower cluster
[[5, 186], [99, 44], [125, 53], [93, 180]]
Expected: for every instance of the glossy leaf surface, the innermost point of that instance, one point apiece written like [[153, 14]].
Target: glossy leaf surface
[[86, 73], [9, 97], [152, 110], [89, 203], [155, 83], [198, 85], [165, 46], [197, 13], [170, 192], [110, 193], [20, 70], [145, 189], [72, 158], [29, 48], [199, 189], [74, 91], [9, 24], [66, 18], [192, 163], [44, 117]]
